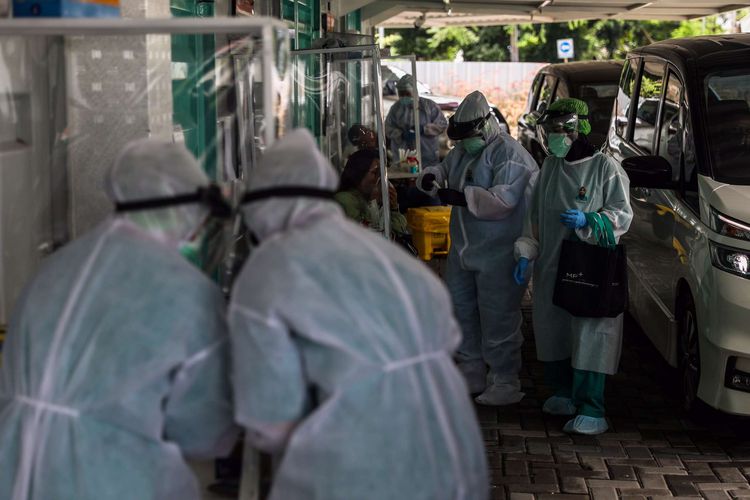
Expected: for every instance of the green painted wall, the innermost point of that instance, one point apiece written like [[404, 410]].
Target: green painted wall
[[194, 107]]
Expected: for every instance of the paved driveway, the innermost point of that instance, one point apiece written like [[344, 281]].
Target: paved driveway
[[651, 451]]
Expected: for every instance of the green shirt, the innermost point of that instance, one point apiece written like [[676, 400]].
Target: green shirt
[[366, 213]]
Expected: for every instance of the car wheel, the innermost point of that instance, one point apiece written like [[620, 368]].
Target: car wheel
[[689, 355]]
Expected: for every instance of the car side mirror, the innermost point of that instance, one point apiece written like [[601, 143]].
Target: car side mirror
[[653, 172]]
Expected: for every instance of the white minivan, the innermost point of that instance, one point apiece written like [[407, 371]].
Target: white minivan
[[681, 130]]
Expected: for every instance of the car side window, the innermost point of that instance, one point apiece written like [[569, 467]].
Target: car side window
[[676, 143], [624, 96], [649, 95], [545, 94], [533, 92], [562, 90]]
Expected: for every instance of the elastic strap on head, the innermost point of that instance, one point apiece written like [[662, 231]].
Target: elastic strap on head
[[287, 192], [210, 196]]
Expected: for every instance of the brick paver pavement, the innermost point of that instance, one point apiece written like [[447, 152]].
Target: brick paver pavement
[[651, 451]]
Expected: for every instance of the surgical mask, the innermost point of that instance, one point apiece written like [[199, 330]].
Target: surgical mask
[[191, 251], [473, 145], [559, 144], [406, 101]]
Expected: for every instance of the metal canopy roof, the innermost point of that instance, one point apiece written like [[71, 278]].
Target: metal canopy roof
[[403, 14]]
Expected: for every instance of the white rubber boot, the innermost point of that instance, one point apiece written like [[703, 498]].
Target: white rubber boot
[[500, 392]]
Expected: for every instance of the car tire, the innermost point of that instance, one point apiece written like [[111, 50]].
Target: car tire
[[688, 352]]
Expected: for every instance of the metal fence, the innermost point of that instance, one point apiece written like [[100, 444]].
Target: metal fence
[[506, 85], [443, 76]]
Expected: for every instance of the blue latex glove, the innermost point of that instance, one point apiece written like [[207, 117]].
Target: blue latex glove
[[574, 219], [409, 136], [519, 273]]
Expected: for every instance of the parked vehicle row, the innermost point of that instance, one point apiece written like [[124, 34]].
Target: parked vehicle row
[[678, 122], [676, 116]]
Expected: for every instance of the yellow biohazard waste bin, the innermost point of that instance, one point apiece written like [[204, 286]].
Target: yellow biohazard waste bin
[[429, 230]]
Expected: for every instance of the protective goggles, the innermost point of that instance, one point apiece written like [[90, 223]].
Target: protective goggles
[[209, 196], [462, 130]]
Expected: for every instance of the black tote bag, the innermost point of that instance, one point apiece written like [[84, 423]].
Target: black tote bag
[[592, 280]]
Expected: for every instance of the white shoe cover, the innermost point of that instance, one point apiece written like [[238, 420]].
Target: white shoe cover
[[589, 426], [501, 394], [475, 375], [558, 405]]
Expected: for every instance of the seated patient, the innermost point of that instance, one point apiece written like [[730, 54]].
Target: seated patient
[[359, 193]]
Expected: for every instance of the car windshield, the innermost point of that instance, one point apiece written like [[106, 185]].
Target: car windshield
[[393, 74], [597, 91], [728, 111], [599, 97]]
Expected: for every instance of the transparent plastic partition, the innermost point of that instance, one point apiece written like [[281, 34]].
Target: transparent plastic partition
[[74, 92], [336, 91], [401, 155]]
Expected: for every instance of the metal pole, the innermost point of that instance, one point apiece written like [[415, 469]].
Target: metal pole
[[269, 119], [417, 121], [250, 482], [514, 43], [378, 95]]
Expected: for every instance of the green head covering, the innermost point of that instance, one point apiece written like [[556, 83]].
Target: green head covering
[[577, 106]]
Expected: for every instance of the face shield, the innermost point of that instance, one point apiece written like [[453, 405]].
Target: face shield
[[558, 131], [458, 131]]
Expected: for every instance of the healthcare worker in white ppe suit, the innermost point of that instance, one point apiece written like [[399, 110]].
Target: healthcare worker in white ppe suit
[[400, 128], [341, 348], [487, 178], [576, 182], [116, 363]]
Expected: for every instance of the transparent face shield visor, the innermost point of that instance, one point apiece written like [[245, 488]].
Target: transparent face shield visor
[[557, 131]]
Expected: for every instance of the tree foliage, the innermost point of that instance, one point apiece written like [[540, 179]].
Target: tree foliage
[[603, 39]]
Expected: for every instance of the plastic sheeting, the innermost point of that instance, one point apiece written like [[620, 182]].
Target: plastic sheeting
[[335, 90], [74, 92]]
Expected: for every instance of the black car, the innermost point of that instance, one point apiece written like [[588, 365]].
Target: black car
[[594, 82]]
